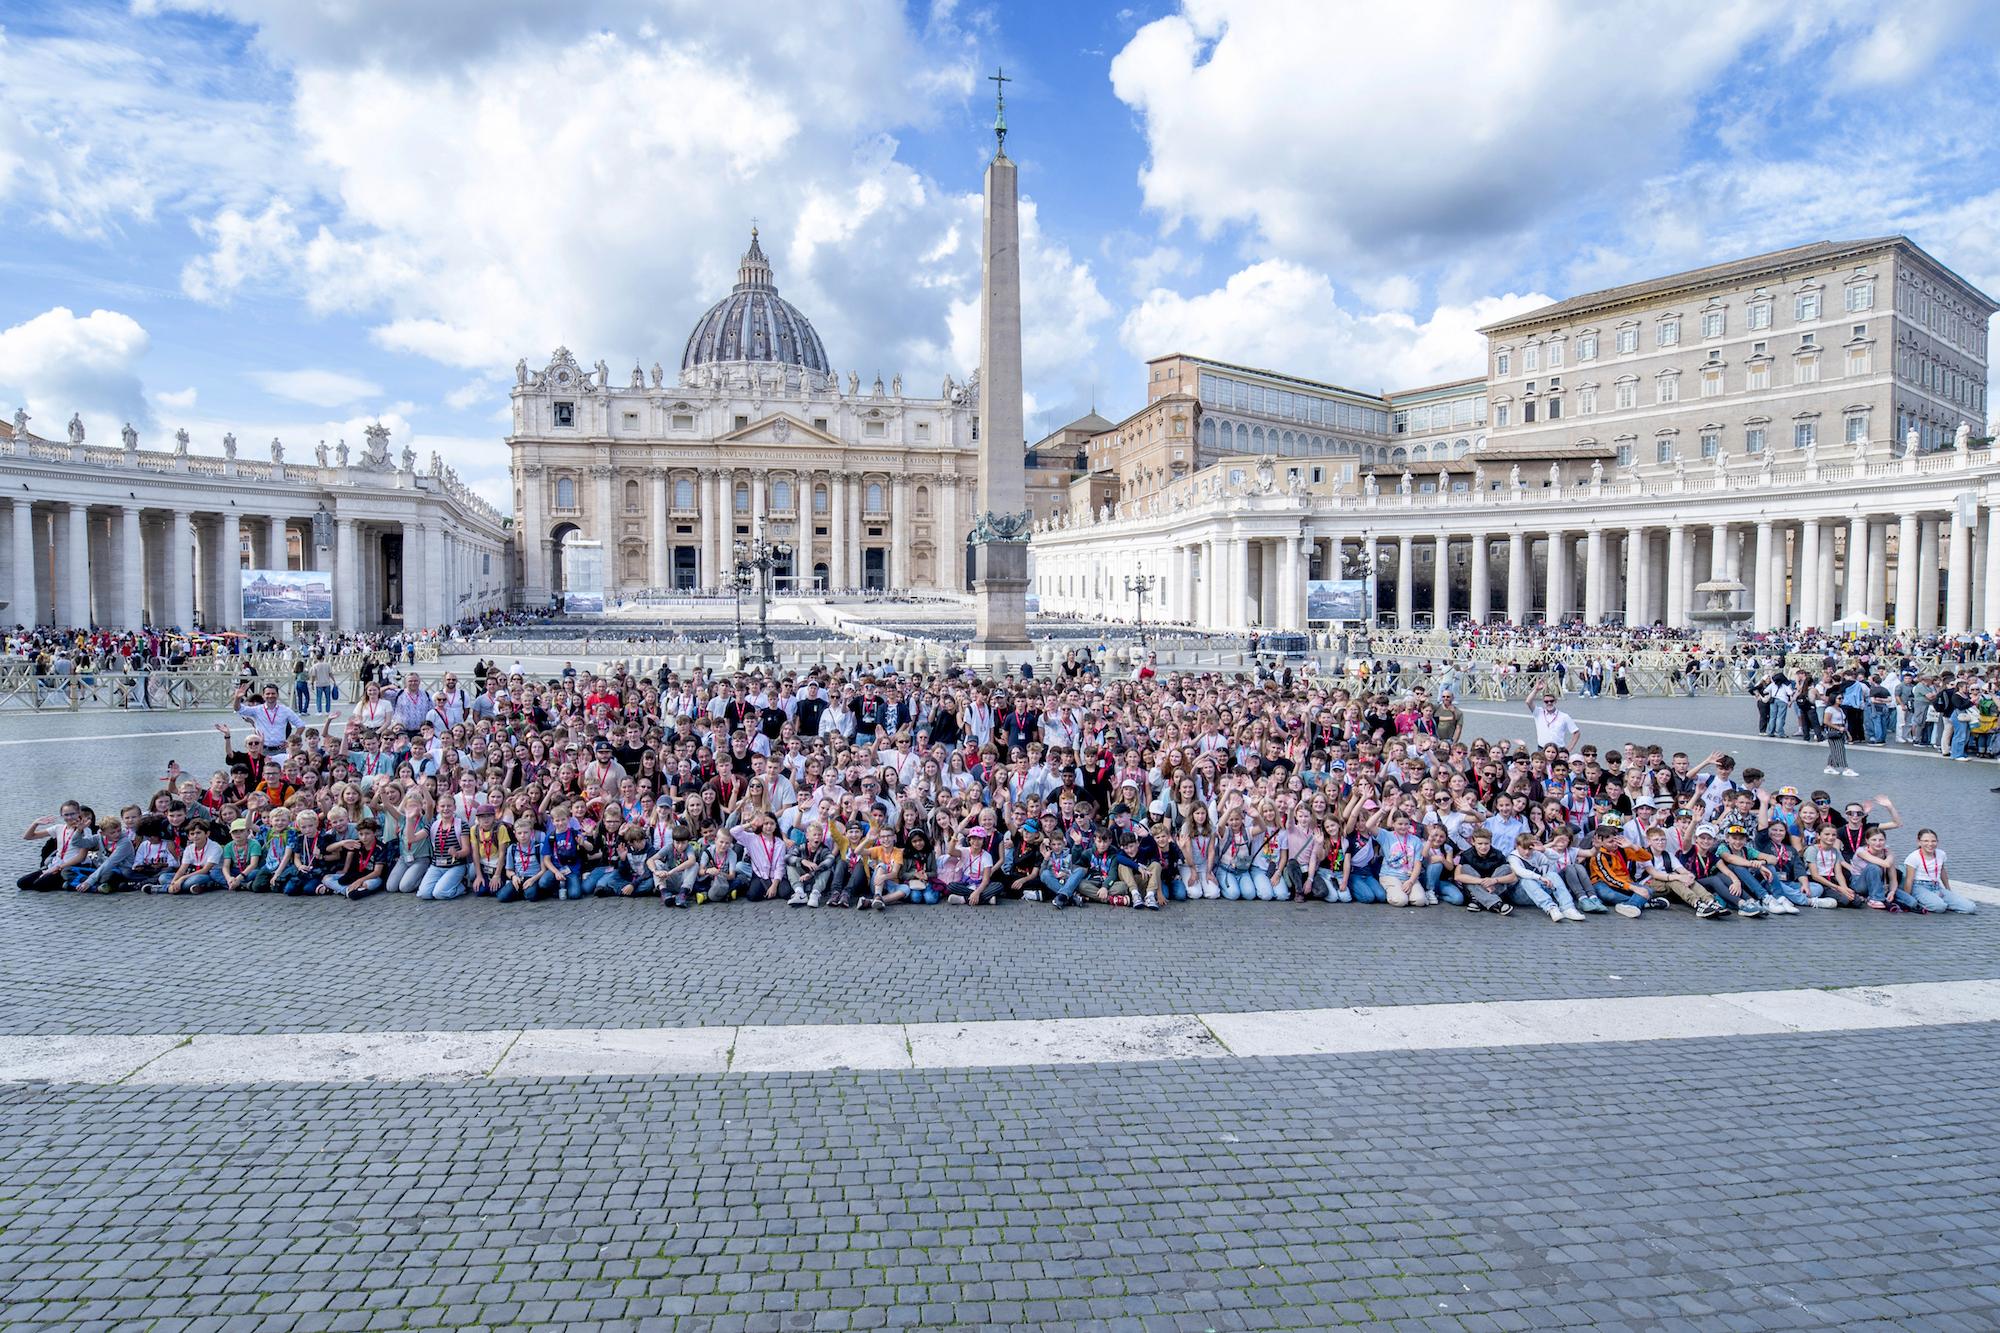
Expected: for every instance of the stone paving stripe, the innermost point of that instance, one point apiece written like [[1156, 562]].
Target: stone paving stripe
[[169, 1059], [1904, 752], [80, 1059], [817, 1046], [1061, 1041], [328, 1057], [580, 1052]]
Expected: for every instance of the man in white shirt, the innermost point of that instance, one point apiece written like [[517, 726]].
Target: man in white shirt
[[271, 718], [1555, 727]]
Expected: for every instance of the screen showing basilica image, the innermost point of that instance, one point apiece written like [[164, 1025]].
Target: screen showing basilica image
[[1336, 599], [287, 594]]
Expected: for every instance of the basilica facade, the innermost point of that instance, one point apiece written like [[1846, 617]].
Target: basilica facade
[[865, 487]]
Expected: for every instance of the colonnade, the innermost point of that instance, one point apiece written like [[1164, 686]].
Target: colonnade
[[1924, 560]]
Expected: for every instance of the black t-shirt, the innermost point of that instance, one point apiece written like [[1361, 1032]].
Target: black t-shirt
[[773, 721], [807, 712], [1485, 865], [867, 715]]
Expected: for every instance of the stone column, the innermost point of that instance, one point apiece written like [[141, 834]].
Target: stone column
[[533, 537], [73, 551], [1000, 583], [1718, 547], [1482, 577], [1878, 570], [1927, 574], [1762, 616], [1989, 617], [1677, 585], [1906, 572], [605, 528], [1958, 587], [1635, 576], [760, 504], [1827, 581], [180, 566], [1518, 607], [1593, 576], [440, 594], [838, 536], [1291, 586], [230, 562], [949, 546], [1406, 576], [663, 551], [1441, 582], [1807, 579], [25, 607], [899, 533], [1556, 603], [1855, 600], [131, 569]]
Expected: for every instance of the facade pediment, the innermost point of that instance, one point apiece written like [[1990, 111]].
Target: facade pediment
[[778, 428]]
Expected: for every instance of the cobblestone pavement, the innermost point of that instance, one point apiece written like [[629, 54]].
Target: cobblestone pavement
[[1776, 1182]]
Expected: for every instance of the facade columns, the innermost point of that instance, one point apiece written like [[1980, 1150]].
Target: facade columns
[[533, 539], [836, 532], [1405, 579], [74, 579], [1878, 571], [25, 608], [1907, 542], [1593, 576], [131, 569], [947, 545], [760, 480], [1291, 589], [1556, 604], [1482, 577], [229, 568], [1809, 583], [347, 573], [1927, 574], [1989, 619], [1958, 584], [1827, 581], [1635, 576], [1441, 583], [277, 540], [1763, 615], [1677, 571], [662, 571], [1855, 603], [180, 566], [1517, 578], [899, 532]]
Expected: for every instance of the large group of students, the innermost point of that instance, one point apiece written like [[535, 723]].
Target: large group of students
[[867, 791]]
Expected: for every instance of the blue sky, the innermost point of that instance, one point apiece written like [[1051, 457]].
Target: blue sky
[[276, 217]]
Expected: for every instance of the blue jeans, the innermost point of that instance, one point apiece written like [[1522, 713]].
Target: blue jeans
[[1327, 885], [603, 882], [1935, 897], [1875, 723], [527, 890], [1961, 733], [442, 882], [322, 698], [1063, 886], [1543, 893], [1366, 888]]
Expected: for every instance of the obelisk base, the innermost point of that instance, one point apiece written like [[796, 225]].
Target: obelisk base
[[1000, 601]]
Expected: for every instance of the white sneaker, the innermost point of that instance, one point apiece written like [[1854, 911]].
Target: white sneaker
[[1556, 915], [1831, 769], [1826, 902], [1571, 914], [798, 898], [1956, 759], [1031, 895], [812, 899], [1849, 773], [1626, 909], [1153, 901]]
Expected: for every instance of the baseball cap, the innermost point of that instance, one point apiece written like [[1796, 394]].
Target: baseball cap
[[240, 826], [1705, 830], [486, 810], [977, 831]]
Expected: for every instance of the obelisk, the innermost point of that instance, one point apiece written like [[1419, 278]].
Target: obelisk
[[1000, 533]]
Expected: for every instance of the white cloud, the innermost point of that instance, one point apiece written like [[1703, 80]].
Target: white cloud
[[320, 388], [180, 400], [58, 363], [1285, 316]]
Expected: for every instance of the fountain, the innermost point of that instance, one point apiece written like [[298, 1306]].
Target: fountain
[[1717, 615]]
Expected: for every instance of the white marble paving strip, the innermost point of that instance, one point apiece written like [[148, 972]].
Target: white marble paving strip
[[328, 1057], [581, 1052], [1061, 1041], [222, 1058]]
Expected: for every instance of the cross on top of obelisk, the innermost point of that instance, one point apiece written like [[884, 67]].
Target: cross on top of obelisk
[[1000, 81]]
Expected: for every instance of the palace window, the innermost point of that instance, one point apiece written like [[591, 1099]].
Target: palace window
[[1586, 347], [1806, 306], [1624, 455], [683, 421], [1555, 356], [1857, 428], [742, 498], [1667, 389], [1663, 450], [1500, 415], [1753, 440], [1805, 370], [1712, 324], [781, 497], [1586, 402], [1711, 442], [565, 493], [1531, 357], [1627, 394], [1628, 341], [1804, 434], [1859, 362], [872, 498], [1861, 296], [875, 430], [565, 414], [1669, 334], [1760, 314], [819, 499], [683, 492]]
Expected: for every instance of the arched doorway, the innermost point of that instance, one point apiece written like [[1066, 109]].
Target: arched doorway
[[561, 533], [821, 575]]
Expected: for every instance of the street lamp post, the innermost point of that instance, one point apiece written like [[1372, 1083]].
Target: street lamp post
[[1141, 586], [757, 561]]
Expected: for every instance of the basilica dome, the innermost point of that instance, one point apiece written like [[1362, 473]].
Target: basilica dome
[[753, 323]]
